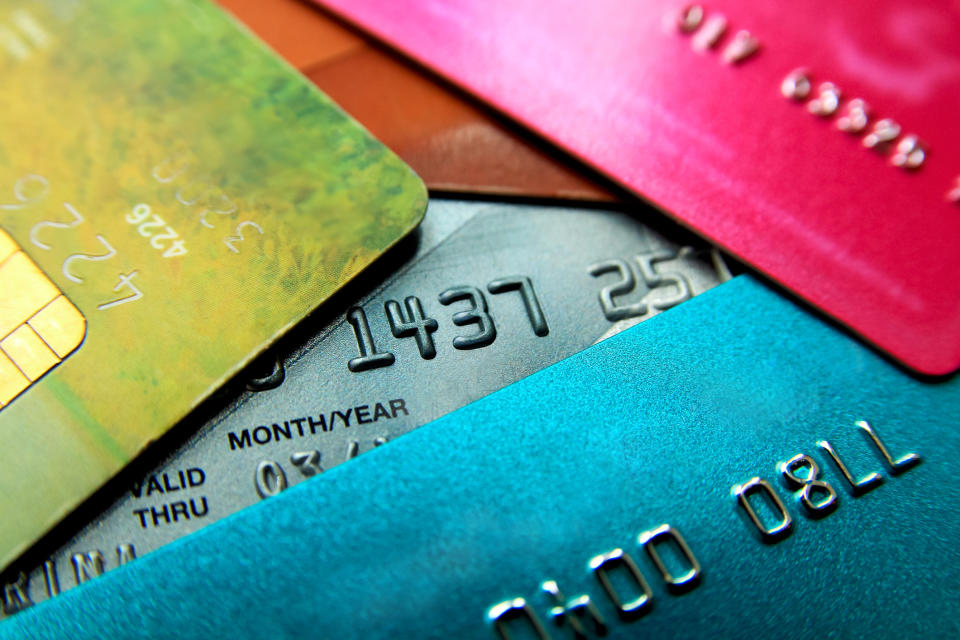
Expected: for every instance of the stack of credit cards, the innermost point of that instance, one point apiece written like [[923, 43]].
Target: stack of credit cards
[[534, 406]]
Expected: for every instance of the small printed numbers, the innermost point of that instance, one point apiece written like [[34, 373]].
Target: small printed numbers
[[142, 216]]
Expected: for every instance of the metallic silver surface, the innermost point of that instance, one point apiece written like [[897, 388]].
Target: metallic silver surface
[[490, 294]]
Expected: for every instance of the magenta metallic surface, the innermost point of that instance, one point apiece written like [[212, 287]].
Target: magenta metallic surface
[[718, 145]]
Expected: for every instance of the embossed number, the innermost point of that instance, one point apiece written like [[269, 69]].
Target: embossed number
[[237, 236], [369, 357], [476, 314], [625, 285], [27, 190], [269, 479], [524, 286], [414, 323], [808, 484], [35, 229], [65, 267]]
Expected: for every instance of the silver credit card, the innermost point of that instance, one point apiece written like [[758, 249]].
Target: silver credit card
[[490, 294]]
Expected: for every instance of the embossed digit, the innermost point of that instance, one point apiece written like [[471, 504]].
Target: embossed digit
[[369, 357], [476, 314], [65, 267], [605, 563], [910, 153], [808, 484], [228, 207], [308, 462], [237, 236], [414, 323], [720, 265], [126, 280], [654, 279], [856, 116], [530, 302], [899, 465], [743, 45], [796, 86], [156, 221], [23, 192], [35, 229], [572, 610], [758, 485], [138, 214], [627, 283], [269, 479], [192, 198], [690, 18], [175, 249], [270, 379], [827, 101], [710, 33], [662, 535], [169, 169], [859, 487], [514, 611], [883, 133], [353, 449]]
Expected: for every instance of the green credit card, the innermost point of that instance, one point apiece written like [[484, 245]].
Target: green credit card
[[172, 198]]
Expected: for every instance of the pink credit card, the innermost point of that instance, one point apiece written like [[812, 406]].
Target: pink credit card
[[819, 141]]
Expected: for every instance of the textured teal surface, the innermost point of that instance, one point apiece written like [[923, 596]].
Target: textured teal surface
[[420, 537]]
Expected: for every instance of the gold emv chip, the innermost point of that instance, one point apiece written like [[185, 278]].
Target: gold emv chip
[[40, 327]]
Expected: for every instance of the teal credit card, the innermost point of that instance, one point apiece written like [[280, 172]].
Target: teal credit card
[[732, 467]]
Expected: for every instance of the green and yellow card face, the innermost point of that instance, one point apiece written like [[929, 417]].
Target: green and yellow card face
[[172, 198]]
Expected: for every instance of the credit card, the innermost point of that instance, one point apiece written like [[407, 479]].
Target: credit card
[[173, 197], [816, 142], [489, 294], [698, 475], [454, 145]]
